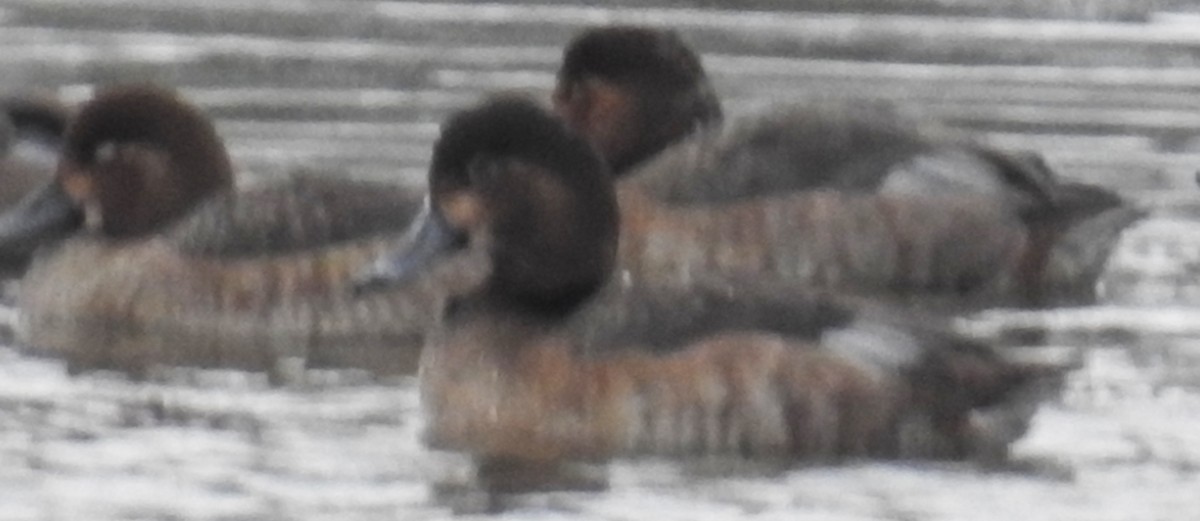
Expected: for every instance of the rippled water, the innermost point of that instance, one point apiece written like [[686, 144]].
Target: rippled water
[[360, 85]]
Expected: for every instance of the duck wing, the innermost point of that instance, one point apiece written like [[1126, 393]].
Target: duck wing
[[664, 319]]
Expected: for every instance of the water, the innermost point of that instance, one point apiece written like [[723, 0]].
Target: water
[[358, 87]]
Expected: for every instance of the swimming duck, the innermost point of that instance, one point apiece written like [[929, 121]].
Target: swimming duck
[[147, 256], [641, 96], [551, 357]]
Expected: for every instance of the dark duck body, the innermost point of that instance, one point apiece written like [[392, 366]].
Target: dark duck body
[[147, 256], [642, 98], [552, 358]]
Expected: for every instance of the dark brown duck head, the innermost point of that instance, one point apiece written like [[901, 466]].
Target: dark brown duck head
[[508, 178], [632, 91], [135, 158]]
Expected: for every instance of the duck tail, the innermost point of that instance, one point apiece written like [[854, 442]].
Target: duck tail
[[1072, 240], [1010, 404], [1089, 226], [993, 430], [968, 399]]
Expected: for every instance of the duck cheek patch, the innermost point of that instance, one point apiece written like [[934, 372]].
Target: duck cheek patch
[[607, 124], [599, 111], [80, 189], [463, 210], [78, 186], [581, 103]]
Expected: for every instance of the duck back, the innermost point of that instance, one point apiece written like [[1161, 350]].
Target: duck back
[[303, 211], [838, 146]]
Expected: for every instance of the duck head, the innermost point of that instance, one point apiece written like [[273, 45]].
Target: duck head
[[509, 179], [134, 159], [632, 91]]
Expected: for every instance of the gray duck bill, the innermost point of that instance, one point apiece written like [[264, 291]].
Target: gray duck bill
[[428, 239]]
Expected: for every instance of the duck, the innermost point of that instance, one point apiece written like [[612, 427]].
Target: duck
[[641, 96], [145, 256], [551, 357]]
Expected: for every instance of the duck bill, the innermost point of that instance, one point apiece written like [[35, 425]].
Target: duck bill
[[44, 216], [429, 238]]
